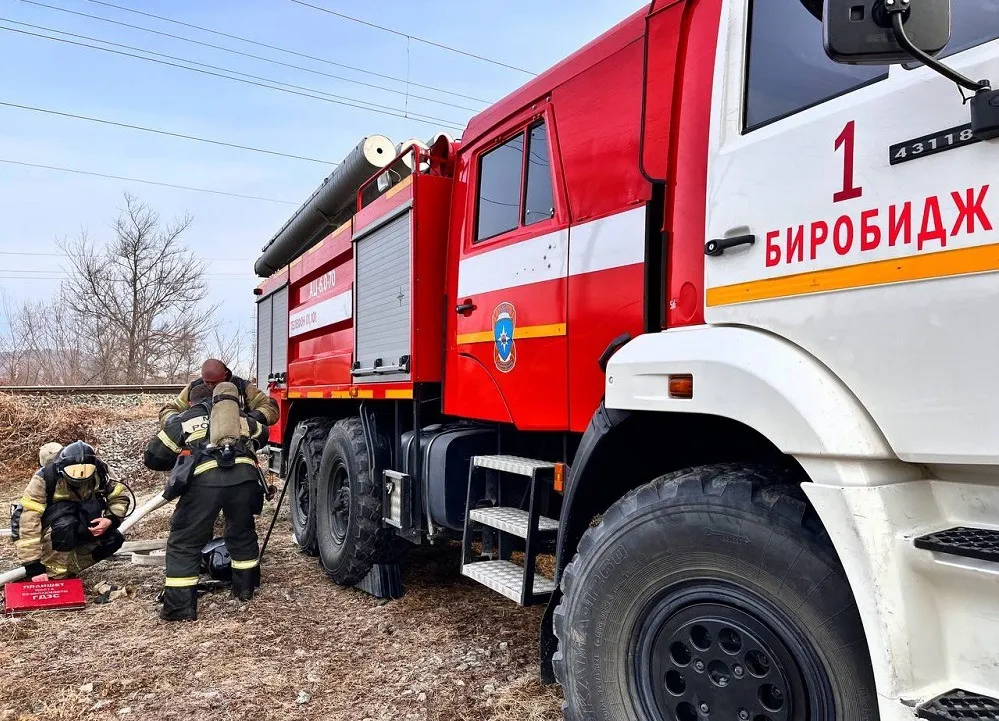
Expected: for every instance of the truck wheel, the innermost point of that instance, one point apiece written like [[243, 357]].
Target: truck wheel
[[711, 593], [349, 510], [303, 471]]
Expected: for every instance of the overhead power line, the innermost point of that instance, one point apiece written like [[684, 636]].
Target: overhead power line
[[289, 51], [107, 176], [105, 121], [216, 71], [42, 274], [249, 55], [64, 255], [413, 37]]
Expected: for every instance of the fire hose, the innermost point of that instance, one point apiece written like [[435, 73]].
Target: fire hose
[[148, 507]]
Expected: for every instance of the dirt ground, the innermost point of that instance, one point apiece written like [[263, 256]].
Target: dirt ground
[[304, 648]]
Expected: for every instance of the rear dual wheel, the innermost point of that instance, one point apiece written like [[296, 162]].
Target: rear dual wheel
[[303, 471], [350, 534], [711, 593]]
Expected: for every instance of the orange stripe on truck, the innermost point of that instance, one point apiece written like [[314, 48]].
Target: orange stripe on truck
[[928, 266]]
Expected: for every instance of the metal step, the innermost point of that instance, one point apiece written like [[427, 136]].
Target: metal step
[[979, 543], [511, 520], [506, 577], [511, 464], [958, 705]]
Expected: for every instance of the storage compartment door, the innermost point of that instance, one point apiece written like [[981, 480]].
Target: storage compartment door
[[279, 331], [383, 297], [264, 320]]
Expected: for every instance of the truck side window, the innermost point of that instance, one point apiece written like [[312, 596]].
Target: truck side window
[[539, 202], [973, 23], [500, 173], [788, 66]]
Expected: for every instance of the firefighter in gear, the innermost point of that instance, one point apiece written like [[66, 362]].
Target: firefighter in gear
[[253, 401], [71, 510], [220, 440], [47, 452]]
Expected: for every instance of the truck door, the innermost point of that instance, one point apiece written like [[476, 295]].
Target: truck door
[[507, 350], [874, 217]]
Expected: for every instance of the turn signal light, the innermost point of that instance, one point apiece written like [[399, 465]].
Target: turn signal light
[[559, 477], [681, 386]]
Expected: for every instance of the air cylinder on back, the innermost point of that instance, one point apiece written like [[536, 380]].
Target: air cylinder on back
[[224, 424]]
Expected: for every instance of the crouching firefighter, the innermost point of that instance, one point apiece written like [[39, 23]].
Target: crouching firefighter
[[210, 448], [69, 515]]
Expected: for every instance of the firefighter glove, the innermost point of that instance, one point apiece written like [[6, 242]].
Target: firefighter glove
[[35, 568]]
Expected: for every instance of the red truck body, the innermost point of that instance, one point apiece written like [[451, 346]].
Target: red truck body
[[575, 281]]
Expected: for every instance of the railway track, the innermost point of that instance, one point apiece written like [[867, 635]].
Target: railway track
[[150, 388]]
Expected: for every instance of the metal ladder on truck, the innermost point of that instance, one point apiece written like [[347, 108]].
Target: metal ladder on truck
[[500, 524]]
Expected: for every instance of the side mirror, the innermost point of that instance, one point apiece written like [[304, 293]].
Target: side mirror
[[859, 32]]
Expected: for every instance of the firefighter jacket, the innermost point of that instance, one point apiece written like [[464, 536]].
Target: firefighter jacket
[[34, 543], [186, 433], [254, 402]]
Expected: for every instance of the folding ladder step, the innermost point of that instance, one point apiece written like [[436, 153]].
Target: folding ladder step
[[506, 577], [511, 464], [958, 705], [512, 520], [979, 543]]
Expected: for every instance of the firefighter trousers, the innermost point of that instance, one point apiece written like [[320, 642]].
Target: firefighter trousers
[[193, 523], [68, 564]]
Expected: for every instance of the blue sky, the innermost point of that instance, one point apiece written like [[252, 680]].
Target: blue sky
[[38, 206]]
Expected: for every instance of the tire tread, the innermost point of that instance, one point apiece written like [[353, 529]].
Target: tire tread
[[773, 491], [367, 542]]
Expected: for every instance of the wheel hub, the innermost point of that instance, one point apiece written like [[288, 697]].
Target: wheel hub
[[339, 508], [302, 489], [712, 661]]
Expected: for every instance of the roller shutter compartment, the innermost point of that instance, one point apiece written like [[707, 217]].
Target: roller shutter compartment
[[279, 331], [264, 320], [383, 302]]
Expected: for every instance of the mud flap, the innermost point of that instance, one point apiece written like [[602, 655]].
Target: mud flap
[[547, 641]]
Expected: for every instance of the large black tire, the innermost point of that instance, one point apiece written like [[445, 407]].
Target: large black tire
[[711, 593], [349, 507], [303, 473]]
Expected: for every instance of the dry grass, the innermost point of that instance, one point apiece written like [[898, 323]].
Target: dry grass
[[27, 423], [304, 648]]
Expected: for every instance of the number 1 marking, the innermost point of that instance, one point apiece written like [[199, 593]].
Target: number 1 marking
[[846, 140]]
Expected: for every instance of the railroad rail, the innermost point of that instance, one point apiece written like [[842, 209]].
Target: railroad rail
[[148, 388]]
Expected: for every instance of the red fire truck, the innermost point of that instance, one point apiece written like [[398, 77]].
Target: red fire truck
[[704, 311]]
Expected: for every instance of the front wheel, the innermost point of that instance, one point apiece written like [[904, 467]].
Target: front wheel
[[711, 593]]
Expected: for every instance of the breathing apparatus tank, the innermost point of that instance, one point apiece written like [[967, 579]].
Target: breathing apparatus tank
[[225, 426]]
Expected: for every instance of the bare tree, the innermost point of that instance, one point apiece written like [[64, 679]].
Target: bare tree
[[42, 344], [234, 346], [140, 297]]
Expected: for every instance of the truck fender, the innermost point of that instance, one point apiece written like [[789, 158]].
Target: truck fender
[[571, 528], [753, 377]]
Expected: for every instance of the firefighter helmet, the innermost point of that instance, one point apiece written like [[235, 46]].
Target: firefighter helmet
[[78, 463], [215, 560]]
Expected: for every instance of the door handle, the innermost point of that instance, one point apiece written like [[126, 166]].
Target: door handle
[[718, 246], [465, 308]]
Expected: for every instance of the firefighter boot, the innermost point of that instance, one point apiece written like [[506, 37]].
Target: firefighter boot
[[180, 604], [244, 581]]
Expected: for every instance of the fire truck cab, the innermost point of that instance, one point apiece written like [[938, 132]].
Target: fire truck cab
[[702, 312]]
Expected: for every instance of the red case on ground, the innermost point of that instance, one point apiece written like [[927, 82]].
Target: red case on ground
[[44, 596]]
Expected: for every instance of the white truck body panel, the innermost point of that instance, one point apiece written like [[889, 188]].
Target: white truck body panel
[[861, 343], [909, 327]]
